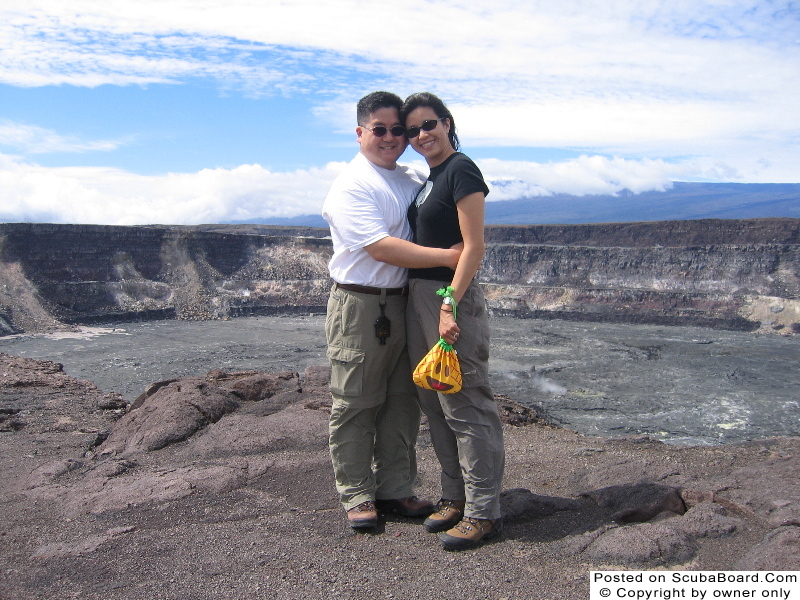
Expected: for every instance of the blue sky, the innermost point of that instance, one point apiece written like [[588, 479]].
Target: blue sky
[[182, 112]]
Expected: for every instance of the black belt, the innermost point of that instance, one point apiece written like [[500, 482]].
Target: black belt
[[363, 289]]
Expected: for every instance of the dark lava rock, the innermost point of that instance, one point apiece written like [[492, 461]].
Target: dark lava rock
[[638, 503]]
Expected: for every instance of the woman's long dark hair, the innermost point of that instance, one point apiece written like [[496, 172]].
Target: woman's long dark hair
[[433, 102]]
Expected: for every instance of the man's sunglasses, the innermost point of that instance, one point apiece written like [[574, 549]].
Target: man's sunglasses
[[428, 125], [380, 130]]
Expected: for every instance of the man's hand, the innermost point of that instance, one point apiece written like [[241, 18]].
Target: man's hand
[[402, 253], [456, 255]]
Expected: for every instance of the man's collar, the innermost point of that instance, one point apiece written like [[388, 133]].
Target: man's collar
[[364, 156]]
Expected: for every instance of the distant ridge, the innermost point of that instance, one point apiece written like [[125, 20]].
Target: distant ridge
[[684, 201], [298, 221], [641, 234]]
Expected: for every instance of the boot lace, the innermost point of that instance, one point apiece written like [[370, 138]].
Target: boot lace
[[467, 524], [364, 507], [443, 507]]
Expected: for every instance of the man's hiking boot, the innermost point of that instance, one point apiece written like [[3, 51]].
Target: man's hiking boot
[[410, 506], [363, 516]]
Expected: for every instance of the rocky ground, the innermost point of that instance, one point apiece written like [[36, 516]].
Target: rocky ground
[[219, 486]]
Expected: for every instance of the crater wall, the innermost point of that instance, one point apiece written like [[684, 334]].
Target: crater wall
[[734, 274]]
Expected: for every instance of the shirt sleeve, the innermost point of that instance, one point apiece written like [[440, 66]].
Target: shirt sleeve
[[358, 220], [467, 179]]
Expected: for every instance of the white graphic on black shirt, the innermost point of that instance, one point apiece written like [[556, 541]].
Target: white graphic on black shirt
[[423, 193]]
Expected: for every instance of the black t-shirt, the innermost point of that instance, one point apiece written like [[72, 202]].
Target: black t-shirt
[[433, 215]]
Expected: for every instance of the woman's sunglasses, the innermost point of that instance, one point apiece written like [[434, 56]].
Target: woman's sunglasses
[[380, 130], [428, 125]]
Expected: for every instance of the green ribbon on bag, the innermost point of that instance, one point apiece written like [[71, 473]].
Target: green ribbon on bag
[[447, 293]]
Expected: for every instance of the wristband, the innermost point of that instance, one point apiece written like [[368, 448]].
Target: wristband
[[447, 298]]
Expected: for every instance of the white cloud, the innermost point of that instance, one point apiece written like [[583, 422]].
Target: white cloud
[[753, 144], [32, 193], [30, 139], [705, 90], [579, 177], [572, 48]]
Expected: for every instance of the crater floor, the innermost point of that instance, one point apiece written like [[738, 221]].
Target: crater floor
[[681, 385]]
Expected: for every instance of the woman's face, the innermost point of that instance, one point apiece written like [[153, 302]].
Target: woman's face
[[434, 145]]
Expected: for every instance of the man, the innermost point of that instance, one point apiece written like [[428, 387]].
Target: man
[[375, 415]]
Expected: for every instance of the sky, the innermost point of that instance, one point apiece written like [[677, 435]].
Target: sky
[[127, 112]]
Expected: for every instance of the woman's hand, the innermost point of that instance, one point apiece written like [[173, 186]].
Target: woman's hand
[[448, 329]]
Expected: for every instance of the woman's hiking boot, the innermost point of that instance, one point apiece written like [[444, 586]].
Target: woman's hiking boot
[[470, 532], [448, 513]]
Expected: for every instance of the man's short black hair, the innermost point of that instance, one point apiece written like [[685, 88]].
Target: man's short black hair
[[376, 101]]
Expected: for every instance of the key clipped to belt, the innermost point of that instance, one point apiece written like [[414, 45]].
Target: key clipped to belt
[[383, 326]]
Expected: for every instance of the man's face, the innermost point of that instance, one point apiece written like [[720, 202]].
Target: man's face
[[382, 151]]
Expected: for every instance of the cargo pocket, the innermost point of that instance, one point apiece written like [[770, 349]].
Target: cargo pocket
[[347, 371]]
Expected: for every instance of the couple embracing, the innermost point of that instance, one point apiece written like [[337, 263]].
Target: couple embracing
[[398, 238]]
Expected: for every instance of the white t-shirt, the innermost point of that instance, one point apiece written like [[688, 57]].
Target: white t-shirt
[[367, 203]]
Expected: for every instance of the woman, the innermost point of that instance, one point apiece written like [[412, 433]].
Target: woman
[[465, 426]]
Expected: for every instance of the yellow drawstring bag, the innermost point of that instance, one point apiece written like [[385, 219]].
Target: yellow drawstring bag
[[439, 369]]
